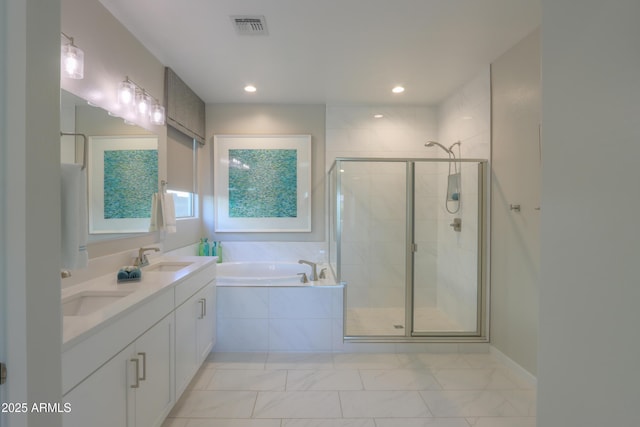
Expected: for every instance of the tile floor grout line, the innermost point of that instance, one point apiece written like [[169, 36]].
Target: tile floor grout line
[[426, 403], [253, 409]]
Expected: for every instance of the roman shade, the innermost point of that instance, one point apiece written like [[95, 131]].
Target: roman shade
[[185, 110], [181, 152]]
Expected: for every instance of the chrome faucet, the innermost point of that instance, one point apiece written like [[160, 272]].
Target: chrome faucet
[[142, 259], [314, 270]]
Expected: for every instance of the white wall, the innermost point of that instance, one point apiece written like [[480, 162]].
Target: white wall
[[589, 289], [515, 236], [31, 220]]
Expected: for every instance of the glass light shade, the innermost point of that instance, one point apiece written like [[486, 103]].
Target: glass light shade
[[72, 61], [157, 114], [143, 104], [126, 93]]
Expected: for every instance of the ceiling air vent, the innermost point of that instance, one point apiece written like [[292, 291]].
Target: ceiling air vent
[[249, 25]]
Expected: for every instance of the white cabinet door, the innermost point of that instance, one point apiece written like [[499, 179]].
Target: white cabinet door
[[186, 343], [133, 389], [207, 321], [154, 397], [195, 326], [102, 399]]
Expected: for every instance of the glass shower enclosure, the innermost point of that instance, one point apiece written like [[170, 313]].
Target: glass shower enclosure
[[408, 237]]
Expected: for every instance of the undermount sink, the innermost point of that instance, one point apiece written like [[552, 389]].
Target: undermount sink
[[87, 302], [168, 266]]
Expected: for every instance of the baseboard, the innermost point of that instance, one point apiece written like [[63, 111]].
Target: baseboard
[[519, 370]]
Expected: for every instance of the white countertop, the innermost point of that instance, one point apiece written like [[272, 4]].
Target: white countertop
[[76, 328]]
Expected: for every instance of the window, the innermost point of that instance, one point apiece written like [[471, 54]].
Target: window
[[184, 203], [181, 172]]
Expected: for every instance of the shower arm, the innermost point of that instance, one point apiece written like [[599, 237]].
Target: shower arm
[[447, 150]]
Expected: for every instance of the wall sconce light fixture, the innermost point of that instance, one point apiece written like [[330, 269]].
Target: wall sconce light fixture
[[71, 59], [135, 98]]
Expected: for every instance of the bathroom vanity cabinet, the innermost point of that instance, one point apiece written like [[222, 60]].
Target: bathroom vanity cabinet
[[131, 371]]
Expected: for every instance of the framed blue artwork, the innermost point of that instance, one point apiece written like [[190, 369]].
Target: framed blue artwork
[[262, 183], [123, 175]]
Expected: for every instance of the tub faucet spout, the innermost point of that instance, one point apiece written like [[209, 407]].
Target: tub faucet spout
[[314, 270]]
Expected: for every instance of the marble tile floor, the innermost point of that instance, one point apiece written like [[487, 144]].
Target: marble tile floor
[[380, 321], [355, 390]]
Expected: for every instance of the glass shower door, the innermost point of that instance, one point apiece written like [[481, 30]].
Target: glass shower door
[[446, 273], [372, 212]]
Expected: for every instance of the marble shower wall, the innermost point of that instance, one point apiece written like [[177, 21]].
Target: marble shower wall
[[354, 132]]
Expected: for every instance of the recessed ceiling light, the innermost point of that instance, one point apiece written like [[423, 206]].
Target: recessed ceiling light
[[378, 116], [397, 89], [250, 88]]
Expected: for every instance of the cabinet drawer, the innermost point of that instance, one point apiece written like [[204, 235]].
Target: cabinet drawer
[[85, 357], [197, 281]]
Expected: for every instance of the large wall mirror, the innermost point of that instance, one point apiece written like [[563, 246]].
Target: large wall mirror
[[122, 168]]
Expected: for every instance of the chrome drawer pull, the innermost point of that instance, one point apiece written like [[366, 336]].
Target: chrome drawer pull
[[144, 366], [137, 384]]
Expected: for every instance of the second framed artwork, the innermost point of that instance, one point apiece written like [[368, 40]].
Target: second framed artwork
[[262, 183]]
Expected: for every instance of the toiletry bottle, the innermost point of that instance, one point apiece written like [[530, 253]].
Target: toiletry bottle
[[201, 247], [206, 247], [214, 248], [219, 252]]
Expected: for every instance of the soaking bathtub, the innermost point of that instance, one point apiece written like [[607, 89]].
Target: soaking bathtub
[[269, 274], [263, 306]]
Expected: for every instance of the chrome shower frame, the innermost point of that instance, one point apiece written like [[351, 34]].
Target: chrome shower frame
[[481, 334]]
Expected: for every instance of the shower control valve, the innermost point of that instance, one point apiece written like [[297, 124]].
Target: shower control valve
[[456, 224]]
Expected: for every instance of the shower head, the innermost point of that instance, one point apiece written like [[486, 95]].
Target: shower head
[[434, 143]]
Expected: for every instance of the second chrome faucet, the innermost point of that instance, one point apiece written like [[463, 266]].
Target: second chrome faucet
[[142, 259]]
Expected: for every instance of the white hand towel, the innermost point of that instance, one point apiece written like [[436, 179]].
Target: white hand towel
[[163, 213], [156, 214], [169, 213], [74, 217]]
